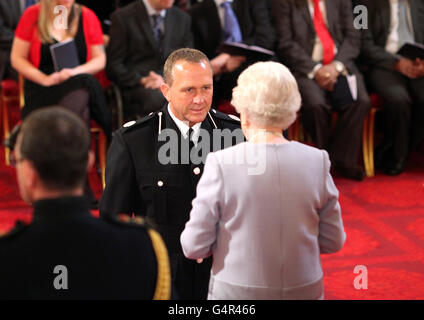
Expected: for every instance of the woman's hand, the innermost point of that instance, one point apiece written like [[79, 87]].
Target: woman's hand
[[65, 74], [51, 79]]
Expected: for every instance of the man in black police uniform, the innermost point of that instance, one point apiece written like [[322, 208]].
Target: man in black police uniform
[[138, 179], [66, 253]]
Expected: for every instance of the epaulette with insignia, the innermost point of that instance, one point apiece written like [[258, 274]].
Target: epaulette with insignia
[[126, 220], [17, 229], [226, 117], [136, 123]]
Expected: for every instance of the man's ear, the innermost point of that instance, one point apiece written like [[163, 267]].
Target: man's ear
[[91, 159], [32, 178], [165, 91]]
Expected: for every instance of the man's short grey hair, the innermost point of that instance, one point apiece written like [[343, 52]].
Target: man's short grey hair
[[183, 54], [268, 93]]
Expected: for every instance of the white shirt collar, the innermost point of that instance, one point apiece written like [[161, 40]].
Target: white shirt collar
[[151, 11], [184, 126]]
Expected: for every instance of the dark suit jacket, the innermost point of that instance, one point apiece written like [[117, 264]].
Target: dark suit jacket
[[104, 260], [296, 33], [253, 18], [134, 171], [10, 12], [132, 52], [375, 37]]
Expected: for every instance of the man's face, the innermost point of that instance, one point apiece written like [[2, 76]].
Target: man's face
[[161, 4], [190, 95]]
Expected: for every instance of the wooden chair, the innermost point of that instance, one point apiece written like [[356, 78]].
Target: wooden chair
[[368, 135], [296, 133], [101, 148]]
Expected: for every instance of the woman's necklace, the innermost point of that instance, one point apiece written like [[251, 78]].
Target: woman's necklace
[[270, 133]]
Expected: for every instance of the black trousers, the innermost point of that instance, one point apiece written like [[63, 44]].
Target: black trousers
[[403, 109], [190, 280], [344, 144]]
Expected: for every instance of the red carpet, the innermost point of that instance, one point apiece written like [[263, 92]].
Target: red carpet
[[384, 222]]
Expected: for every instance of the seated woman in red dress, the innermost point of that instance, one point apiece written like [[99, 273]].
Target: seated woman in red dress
[[74, 88]]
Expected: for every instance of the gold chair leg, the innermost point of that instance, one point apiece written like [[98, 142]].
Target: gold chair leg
[[371, 142], [102, 156], [368, 143], [365, 145], [6, 130]]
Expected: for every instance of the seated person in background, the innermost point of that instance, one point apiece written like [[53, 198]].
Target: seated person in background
[[397, 80], [76, 88], [66, 253], [265, 246], [142, 35], [318, 42], [10, 13], [218, 21], [73, 88], [103, 9]]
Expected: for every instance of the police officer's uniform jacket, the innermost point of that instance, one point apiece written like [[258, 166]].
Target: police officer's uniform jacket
[[138, 183]]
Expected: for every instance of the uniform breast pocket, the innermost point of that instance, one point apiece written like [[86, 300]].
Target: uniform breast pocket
[[156, 189]]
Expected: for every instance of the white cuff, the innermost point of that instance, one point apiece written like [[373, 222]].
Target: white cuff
[[311, 74]]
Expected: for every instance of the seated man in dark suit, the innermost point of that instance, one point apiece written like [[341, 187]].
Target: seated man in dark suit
[[318, 42], [10, 13], [142, 35], [66, 253], [217, 21], [397, 80]]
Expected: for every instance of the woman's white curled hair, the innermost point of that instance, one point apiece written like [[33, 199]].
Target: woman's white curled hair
[[268, 93]]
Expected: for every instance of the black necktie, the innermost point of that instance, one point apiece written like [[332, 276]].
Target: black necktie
[[190, 139]]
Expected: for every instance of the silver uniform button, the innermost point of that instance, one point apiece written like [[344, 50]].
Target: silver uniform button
[[196, 171], [160, 183]]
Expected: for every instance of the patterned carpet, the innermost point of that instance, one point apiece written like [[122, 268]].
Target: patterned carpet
[[384, 222]]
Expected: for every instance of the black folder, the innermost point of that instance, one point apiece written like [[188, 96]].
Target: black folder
[[64, 55], [412, 51], [250, 52]]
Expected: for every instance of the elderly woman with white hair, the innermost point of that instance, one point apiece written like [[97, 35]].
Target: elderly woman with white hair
[[265, 228]]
